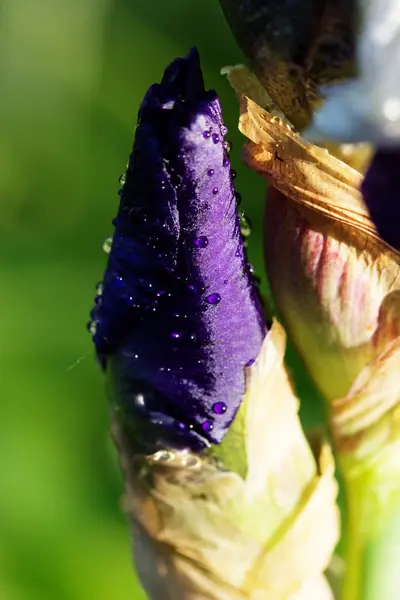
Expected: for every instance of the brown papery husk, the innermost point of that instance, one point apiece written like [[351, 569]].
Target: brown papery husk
[[336, 284]]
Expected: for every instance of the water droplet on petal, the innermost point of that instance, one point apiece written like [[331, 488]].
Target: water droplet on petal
[[225, 281], [107, 244], [210, 172], [238, 253], [245, 226], [118, 284], [250, 362], [201, 242], [226, 162], [224, 130], [195, 287], [181, 426], [219, 408], [215, 138], [206, 134], [233, 173], [215, 191], [207, 426], [228, 146], [175, 335], [214, 298], [160, 293], [139, 400], [91, 327]]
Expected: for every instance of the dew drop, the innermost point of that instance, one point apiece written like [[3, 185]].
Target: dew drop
[[237, 253], [207, 426], [245, 226], [139, 400], [176, 179], [215, 138], [160, 293], [195, 287], [233, 173], [224, 130], [175, 335], [214, 298], [250, 362], [219, 408], [181, 426], [225, 281], [201, 242], [228, 145], [215, 191], [107, 244], [118, 283], [206, 134], [91, 327], [226, 162], [210, 172]]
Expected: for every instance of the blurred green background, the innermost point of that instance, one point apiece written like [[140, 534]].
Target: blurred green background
[[72, 76]]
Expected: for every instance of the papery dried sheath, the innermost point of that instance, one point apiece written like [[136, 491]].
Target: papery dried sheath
[[179, 318], [336, 283]]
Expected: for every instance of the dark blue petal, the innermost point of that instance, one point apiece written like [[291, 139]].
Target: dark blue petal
[[381, 191], [179, 317]]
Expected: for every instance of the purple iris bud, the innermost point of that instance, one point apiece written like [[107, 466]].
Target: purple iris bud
[[381, 191], [179, 317]]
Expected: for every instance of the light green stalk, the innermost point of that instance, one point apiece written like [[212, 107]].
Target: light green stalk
[[366, 427]]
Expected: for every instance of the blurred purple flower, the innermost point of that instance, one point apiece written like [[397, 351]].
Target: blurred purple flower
[[381, 191], [178, 317]]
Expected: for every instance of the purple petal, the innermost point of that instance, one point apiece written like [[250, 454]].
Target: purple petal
[[179, 317], [381, 191]]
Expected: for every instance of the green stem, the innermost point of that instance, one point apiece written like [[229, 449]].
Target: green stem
[[372, 533]]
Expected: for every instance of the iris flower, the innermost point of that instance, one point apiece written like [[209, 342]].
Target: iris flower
[[179, 317]]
